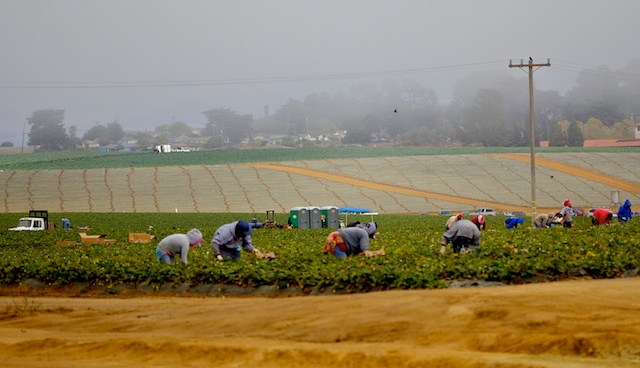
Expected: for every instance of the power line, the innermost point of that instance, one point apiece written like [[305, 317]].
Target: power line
[[240, 81]]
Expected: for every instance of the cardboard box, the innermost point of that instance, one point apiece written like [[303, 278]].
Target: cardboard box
[[65, 243], [95, 239], [140, 238]]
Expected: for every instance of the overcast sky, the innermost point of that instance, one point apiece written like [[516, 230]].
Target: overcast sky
[[151, 62]]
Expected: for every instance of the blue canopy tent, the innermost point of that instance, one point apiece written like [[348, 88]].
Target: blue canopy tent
[[356, 211]]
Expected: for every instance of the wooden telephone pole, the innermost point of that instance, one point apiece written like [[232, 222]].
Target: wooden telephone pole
[[532, 137]]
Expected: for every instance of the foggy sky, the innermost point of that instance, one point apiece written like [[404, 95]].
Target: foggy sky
[[152, 62]]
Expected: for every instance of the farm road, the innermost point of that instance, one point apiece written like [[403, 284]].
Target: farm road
[[582, 323]]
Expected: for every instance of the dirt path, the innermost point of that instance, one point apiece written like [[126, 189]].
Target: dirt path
[[387, 187], [556, 325], [596, 176], [599, 177]]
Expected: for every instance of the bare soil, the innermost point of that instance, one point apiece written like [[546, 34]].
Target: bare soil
[[585, 323]]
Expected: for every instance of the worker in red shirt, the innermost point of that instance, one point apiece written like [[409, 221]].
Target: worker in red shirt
[[602, 216]]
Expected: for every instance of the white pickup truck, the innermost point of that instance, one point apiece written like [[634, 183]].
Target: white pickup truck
[[36, 221], [484, 212], [30, 224]]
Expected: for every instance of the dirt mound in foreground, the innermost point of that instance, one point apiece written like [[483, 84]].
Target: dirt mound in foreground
[[591, 323]]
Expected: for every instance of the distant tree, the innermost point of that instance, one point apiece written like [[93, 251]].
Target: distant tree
[[630, 89], [162, 138], [114, 132], [622, 130], [605, 111], [103, 141], [47, 130], [6, 144], [162, 128], [485, 122], [357, 136], [179, 128], [594, 129], [228, 124], [74, 140], [596, 84], [289, 141], [214, 142], [95, 132], [557, 136], [144, 139], [574, 135]]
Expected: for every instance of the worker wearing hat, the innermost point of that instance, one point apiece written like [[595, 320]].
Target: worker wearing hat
[[230, 239], [480, 222], [567, 214], [452, 220]]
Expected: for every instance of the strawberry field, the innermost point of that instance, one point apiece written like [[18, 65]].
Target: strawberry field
[[412, 260]]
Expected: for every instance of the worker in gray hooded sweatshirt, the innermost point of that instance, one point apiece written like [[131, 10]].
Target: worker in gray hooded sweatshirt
[[463, 235], [231, 238], [178, 244]]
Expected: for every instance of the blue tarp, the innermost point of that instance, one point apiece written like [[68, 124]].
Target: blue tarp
[[354, 210]]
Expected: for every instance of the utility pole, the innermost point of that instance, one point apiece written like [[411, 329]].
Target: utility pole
[[23, 124], [532, 137]]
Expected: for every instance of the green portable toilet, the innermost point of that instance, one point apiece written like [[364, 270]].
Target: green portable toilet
[[315, 217], [331, 217], [299, 217]]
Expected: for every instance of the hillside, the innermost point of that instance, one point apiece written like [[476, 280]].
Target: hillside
[[392, 184]]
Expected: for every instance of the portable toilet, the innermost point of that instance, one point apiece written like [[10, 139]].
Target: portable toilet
[[315, 217], [331, 217], [299, 217]]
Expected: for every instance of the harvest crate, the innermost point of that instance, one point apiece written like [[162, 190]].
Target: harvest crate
[[140, 238], [95, 239]]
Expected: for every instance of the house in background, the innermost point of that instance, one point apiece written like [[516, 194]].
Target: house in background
[[610, 142], [616, 142]]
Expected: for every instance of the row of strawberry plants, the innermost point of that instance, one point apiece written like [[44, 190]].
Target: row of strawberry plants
[[411, 244]]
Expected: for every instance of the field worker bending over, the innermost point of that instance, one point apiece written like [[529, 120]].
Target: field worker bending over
[[625, 213], [567, 214], [602, 216], [352, 241], [452, 220], [513, 222], [463, 235], [542, 220], [480, 222], [178, 244], [232, 238]]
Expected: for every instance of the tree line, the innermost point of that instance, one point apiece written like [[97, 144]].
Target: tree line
[[489, 108]]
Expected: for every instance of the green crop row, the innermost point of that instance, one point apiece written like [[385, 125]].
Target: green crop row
[[96, 160], [411, 243]]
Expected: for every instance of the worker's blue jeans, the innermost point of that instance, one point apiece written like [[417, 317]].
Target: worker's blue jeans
[[163, 257], [340, 254], [233, 254]]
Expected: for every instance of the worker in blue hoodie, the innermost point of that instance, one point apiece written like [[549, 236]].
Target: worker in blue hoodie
[[513, 222], [624, 212]]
